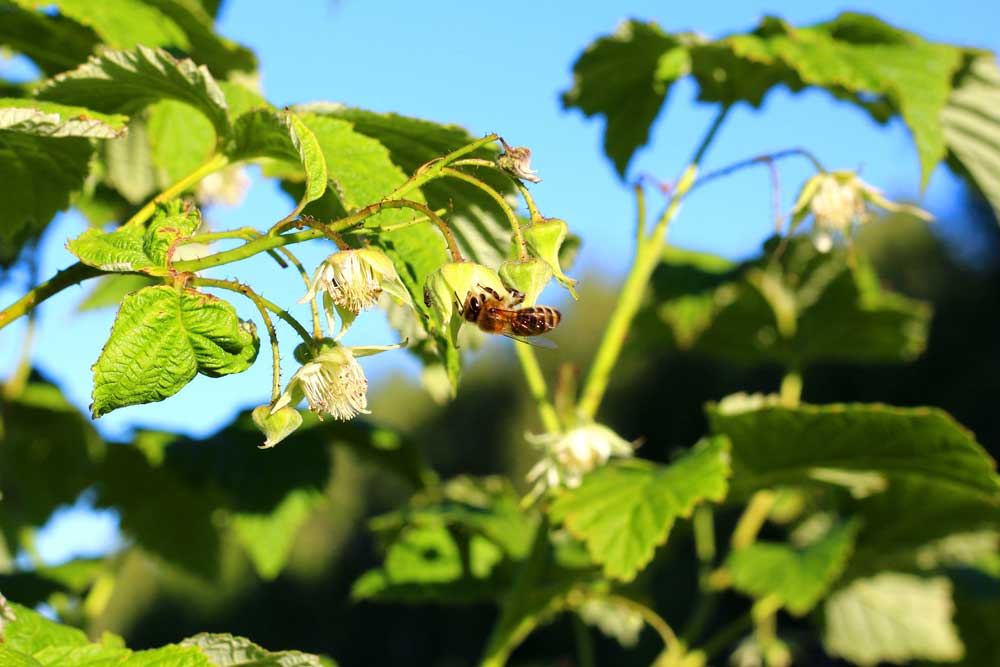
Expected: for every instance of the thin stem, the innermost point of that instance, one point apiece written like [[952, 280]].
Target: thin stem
[[640, 213], [515, 226], [584, 643], [752, 519], [759, 160], [791, 388], [245, 233], [212, 164], [317, 327], [653, 620], [704, 543], [537, 386], [430, 171], [529, 201], [273, 337], [647, 256], [72, 275], [245, 290], [309, 221], [725, 637]]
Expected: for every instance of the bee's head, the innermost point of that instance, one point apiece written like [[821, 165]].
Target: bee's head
[[472, 308]]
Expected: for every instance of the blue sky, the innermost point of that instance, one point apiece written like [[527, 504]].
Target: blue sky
[[500, 67]]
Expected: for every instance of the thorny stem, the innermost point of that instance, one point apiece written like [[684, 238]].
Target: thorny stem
[[430, 171], [515, 226], [260, 301], [309, 221], [212, 164], [317, 327], [529, 201], [647, 256], [536, 385], [273, 338]]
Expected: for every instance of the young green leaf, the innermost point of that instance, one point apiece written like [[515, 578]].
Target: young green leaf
[[127, 81], [224, 650], [135, 249], [776, 444], [892, 617], [798, 577], [161, 339], [623, 510]]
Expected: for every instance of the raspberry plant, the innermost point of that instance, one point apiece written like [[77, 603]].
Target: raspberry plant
[[852, 520]]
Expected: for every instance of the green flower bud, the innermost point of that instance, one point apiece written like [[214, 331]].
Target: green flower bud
[[278, 425], [446, 289], [528, 277], [544, 240]]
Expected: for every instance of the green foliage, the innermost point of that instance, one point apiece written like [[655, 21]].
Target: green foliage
[[794, 306], [915, 443], [161, 339], [625, 509], [797, 577], [229, 651]]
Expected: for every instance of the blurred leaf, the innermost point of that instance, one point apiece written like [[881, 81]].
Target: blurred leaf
[[774, 444], [127, 81], [44, 157], [120, 24], [811, 307], [893, 618], [180, 138], [161, 339], [971, 123], [625, 508], [32, 632], [621, 78], [128, 164], [229, 651], [12, 658], [110, 290], [54, 43], [207, 47], [856, 57], [268, 537], [798, 577], [47, 459]]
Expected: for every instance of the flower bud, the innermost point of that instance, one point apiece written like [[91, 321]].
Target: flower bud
[[446, 289], [352, 281], [567, 457], [516, 161], [544, 239], [529, 278], [276, 426]]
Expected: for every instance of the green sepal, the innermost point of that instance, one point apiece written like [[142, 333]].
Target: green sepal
[[544, 239], [446, 289], [277, 425], [529, 277]]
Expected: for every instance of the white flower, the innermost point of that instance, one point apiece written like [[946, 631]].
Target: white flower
[[226, 187], [352, 281], [567, 457], [332, 382], [838, 200], [613, 619]]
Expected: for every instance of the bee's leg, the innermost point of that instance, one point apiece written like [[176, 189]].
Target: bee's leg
[[489, 290], [516, 296]]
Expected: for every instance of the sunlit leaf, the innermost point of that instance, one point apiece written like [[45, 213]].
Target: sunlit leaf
[[229, 651]]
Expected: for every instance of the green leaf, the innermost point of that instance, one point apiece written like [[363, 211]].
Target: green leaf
[[620, 77], [168, 656], [206, 46], [91, 655], [775, 444], [892, 618], [54, 43], [32, 632], [268, 537], [129, 167], [810, 307], [161, 339], [127, 81], [971, 123], [282, 135], [179, 138], [11, 658], [624, 509], [224, 650], [42, 433], [798, 577], [110, 290], [856, 57], [136, 249], [44, 157], [480, 227], [121, 24]]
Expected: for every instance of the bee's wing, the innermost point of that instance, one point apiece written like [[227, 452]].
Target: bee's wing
[[537, 341]]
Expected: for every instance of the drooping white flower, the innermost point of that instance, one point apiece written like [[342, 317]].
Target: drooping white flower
[[352, 281], [332, 382], [839, 200], [567, 457], [516, 161]]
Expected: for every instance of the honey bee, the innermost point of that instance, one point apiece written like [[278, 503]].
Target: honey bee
[[497, 315]]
